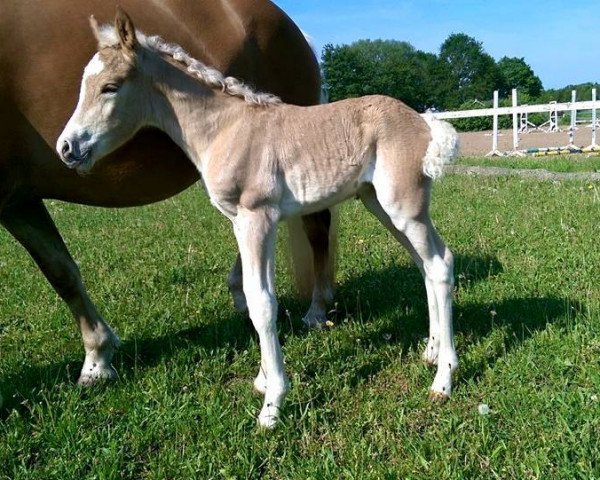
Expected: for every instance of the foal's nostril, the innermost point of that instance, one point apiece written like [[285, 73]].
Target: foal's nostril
[[66, 149]]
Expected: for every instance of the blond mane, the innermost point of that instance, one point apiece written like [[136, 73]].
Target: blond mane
[[107, 37]]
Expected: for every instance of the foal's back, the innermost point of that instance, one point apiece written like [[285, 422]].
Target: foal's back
[[322, 154]]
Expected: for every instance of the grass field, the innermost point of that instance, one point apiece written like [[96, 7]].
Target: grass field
[[564, 163], [527, 321]]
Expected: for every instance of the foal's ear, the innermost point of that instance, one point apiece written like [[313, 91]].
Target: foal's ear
[[102, 36], [126, 32]]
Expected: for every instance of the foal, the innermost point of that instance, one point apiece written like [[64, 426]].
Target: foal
[[262, 161]]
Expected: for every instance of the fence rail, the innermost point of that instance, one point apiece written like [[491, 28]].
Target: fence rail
[[519, 119]]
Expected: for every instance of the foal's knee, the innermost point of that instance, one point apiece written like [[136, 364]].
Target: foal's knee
[[262, 307]]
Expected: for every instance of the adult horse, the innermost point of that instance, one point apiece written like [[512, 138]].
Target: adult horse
[[43, 48]]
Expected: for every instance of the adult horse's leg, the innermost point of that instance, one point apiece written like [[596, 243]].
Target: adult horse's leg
[[30, 223], [255, 232], [316, 227]]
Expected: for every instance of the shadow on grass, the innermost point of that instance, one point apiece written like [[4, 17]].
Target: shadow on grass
[[396, 292]]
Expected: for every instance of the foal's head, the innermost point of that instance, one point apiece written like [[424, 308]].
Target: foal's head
[[112, 103]]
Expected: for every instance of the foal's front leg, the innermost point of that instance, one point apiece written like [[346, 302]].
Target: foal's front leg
[[255, 231]]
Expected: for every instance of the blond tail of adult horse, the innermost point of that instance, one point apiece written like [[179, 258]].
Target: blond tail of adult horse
[[263, 161]]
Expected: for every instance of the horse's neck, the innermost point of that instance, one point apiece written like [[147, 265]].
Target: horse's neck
[[192, 115]]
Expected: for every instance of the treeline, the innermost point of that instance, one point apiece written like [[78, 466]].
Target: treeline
[[462, 76]]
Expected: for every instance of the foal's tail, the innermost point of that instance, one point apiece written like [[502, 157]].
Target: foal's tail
[[443, 147]]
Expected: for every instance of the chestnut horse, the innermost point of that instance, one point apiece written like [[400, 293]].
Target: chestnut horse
[[262, 161], [43, 49]]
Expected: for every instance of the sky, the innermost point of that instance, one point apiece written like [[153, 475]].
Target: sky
[[559, 39]]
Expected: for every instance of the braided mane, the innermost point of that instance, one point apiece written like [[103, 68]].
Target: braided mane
[[208, 75]]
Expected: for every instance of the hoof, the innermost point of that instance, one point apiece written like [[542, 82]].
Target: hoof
[[315, 321], [95, 375], [268, 418], [438, 397]]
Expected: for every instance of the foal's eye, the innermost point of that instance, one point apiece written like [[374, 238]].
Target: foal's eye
[[109, 88]]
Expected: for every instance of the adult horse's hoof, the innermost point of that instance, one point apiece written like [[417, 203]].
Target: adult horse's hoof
[[315, 321], [94, 374]]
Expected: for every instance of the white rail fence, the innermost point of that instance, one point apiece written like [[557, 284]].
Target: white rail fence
[[521, 124]]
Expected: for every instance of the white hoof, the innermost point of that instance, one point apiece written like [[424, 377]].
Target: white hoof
[[442, 383], [95, 373], [268, 417]]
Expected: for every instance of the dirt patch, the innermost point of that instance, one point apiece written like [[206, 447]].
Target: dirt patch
[[480, 143]]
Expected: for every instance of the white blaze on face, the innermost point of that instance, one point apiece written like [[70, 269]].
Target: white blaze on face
[[94, 67]]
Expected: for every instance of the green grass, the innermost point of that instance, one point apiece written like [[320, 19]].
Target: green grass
[[527, 330], [565, 163]]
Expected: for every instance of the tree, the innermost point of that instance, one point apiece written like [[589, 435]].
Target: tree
[[385, 67], [474, 72], [518, 74]]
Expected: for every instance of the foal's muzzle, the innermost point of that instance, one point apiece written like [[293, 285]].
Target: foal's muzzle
[[72, 154]]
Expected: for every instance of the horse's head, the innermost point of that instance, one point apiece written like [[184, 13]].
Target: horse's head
[[111, 102]]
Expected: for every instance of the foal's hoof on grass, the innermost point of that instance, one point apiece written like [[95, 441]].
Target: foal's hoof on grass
[[267, 420], [94, 375], [438, 397]]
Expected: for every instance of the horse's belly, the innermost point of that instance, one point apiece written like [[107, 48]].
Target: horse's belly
[[308, 193]]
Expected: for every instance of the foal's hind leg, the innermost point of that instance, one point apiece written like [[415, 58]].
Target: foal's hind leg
[[431, 352], [435, 260], [255, 232], [236, 286], [32, 226]]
